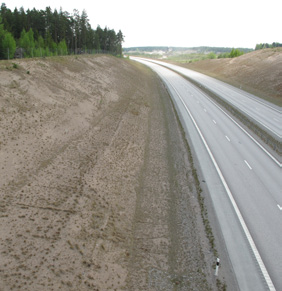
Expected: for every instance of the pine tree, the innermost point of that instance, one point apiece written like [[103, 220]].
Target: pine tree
[[120, 39], [57, 29]]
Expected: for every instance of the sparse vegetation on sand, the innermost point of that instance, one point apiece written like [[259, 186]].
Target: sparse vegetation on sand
[[97, 191]]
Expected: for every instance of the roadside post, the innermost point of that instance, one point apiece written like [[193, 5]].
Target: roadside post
[[217, 266]]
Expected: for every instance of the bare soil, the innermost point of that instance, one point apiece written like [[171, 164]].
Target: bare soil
[[97, 189], [258, 72]]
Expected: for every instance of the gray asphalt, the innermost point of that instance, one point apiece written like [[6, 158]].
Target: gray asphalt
[[253, 179], [265, 114]]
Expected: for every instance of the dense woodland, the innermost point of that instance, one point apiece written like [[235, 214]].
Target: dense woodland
[[45, 32]]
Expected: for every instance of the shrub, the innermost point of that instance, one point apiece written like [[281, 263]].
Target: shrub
[[212, 55], [235, 53]]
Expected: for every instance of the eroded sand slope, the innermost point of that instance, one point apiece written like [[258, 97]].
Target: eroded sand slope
[[96, 188]]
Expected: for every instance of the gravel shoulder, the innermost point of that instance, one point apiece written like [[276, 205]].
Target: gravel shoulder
[[97, 189]]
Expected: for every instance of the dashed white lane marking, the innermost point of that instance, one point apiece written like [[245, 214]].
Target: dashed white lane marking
[[248, 164], [214, 121], [227, 138], [280, 208], [235, 206]]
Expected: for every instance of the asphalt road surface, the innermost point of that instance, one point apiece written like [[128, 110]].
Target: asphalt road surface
[[244, 182], [267, 115]]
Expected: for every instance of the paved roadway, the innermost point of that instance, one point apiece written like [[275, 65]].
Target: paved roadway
[[265, 114], [244, 182]]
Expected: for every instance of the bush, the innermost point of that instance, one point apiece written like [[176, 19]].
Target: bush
[[212, 55], [223, 55], [62, 48], [9, 46], [235, 53]]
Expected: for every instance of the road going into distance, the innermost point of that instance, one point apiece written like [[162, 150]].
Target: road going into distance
[[243, 180], [267, 115]]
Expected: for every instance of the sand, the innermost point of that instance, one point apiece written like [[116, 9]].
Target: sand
[[97, 189]]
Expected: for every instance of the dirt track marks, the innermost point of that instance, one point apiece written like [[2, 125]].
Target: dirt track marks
[[98, 193]]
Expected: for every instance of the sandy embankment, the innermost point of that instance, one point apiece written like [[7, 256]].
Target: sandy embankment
[[92, 190]]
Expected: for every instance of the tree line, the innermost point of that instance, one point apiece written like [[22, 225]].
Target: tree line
[[260, 46], [34, 32], [233, 54], [200, 49]]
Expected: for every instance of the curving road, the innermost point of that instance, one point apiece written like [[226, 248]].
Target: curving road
[[244, 182], [265, 114]]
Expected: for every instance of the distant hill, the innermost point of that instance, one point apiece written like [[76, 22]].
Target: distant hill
[[165, 50], [258, 72]]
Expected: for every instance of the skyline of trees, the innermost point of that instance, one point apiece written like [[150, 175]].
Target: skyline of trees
[[55, 32], [267, 45]]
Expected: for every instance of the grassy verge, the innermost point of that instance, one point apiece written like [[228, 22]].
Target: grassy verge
[[190, 58]]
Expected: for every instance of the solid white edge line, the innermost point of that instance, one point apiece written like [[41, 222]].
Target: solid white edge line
[[234, 204], [273, 158], [277, 134]]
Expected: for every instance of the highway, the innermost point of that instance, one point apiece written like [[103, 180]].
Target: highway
[[243, 179], [267, 115]]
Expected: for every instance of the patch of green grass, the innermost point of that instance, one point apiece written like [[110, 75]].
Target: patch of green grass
[[12, 66], [188, 58]]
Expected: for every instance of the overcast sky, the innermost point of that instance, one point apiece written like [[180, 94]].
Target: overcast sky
[[237, 23]]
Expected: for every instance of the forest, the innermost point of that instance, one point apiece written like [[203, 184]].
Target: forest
[[260, 46], [35, 33]]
